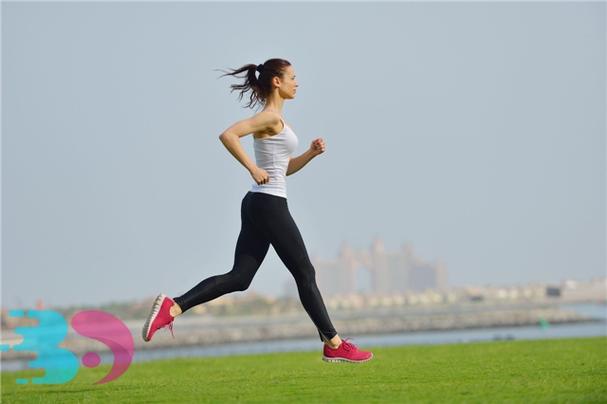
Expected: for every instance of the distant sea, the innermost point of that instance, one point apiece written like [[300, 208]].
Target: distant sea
[[597, 311]]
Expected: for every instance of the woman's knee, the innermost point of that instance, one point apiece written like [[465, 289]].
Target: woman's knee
[[237, 281], [305, 273]]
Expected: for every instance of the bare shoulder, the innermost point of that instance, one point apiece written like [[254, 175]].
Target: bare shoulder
[[264, 122], [273, 124], [270, 118]]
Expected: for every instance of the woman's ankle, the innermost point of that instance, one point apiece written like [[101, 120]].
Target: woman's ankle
[[334, 342], [175, 310]]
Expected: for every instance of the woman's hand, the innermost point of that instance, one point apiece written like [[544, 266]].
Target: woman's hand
[[260, 175], [317, 147]]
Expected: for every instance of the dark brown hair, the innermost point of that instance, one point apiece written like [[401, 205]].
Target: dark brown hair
[[261, 85]]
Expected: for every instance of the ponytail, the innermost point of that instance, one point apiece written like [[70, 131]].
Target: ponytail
[[258, 80]]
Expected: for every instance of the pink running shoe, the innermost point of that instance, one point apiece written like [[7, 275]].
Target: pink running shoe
[[345, 352], [159, 317]]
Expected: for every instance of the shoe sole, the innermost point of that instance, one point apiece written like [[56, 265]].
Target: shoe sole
[[152, 316], [335, 360]]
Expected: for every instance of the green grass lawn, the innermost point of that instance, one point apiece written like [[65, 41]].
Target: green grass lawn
[[556, 370]]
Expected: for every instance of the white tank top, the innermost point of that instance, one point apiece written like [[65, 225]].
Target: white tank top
[[272, 154]]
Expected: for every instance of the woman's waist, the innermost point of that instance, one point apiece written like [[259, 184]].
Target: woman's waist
[[273, 183]]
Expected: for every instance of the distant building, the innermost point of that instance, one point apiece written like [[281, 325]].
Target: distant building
[[376, 271], [553, 291]]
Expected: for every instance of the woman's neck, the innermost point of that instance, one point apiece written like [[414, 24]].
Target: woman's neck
[[274, 104]]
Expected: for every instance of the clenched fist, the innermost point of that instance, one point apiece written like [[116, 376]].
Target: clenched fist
[[260, 175], [317, 147]]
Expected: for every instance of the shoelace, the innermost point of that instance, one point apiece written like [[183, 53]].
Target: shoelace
[[170, 325], [171, 328], [348, 346]]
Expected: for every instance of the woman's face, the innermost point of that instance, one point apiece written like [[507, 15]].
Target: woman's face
[[288, 83]]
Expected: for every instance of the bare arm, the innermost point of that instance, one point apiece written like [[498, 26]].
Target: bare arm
[[232, 143], [296, 163], [230, 138]]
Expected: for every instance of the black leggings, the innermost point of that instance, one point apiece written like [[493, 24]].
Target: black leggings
[[266, 220]]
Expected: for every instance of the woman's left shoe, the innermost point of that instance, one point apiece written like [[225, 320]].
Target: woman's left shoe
[[159, 317], [345, 352]]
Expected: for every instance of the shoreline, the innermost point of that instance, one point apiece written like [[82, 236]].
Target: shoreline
[[204, 331]]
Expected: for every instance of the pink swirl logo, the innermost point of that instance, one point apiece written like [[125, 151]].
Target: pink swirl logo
[[60, 364], [111, 331]]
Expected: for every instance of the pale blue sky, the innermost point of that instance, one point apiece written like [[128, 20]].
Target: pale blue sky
[[474, 131]]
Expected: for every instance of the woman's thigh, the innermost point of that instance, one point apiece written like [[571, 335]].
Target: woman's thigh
[[273, 217], [252, 244], [286, 239]]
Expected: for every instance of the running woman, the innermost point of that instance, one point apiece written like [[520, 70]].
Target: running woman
[[264, 214]]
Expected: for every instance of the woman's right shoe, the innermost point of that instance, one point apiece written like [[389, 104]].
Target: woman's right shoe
[[159, 317], [345, 352]]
